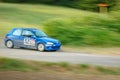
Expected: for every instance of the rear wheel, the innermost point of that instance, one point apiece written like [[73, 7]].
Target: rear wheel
[[41, 47], [9, 44]]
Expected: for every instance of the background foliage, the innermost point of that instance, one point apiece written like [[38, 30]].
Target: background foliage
[[70, 26], [90, 30], [91, 5]]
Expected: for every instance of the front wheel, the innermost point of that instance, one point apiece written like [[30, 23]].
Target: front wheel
[[41, 47], [9, 44]]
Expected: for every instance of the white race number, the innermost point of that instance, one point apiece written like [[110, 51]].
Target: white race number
[[28, 41]]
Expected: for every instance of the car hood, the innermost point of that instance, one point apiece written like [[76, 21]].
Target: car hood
[[48, 39]]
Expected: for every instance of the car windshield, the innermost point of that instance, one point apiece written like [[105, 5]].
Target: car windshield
[[39, 33]]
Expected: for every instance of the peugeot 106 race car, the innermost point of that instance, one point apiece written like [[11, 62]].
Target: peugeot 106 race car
[[31, 38]]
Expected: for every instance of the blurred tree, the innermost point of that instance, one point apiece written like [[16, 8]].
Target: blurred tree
[[90, 5]]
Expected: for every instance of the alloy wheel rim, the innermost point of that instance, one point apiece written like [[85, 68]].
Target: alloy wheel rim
[[9, 44], [40, 47]]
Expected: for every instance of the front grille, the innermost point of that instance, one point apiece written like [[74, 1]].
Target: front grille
[[55, 47]]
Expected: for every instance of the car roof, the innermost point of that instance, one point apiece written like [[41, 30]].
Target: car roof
[[26, 28]]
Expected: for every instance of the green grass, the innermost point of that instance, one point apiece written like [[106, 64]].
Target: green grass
[[108, 71], [84, 66], [87, 31], [12, 64], [64, 64], [7, 64]]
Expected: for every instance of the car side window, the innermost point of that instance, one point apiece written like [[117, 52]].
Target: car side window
[[17, 32], [26, 32]]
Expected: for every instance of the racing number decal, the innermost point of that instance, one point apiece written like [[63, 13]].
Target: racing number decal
[[28, 41]]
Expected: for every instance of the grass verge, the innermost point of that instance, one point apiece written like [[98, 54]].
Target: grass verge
[[20, 65], [13, 64], [93, 50]]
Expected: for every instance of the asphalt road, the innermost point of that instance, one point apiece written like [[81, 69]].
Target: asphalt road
[[59, 56]]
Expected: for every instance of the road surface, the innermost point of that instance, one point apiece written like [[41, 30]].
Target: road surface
[[59, 56]]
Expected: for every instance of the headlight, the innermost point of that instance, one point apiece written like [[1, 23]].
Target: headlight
[[49, 43]]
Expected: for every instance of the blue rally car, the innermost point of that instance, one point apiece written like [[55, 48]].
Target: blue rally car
[[31, 38]]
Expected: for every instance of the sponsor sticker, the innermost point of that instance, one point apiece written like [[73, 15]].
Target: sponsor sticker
[[29, 41]]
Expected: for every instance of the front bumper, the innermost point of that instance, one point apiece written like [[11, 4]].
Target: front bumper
[[52, 47]]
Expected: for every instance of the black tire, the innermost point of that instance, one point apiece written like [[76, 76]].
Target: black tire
[[9, 44], [41, 47]]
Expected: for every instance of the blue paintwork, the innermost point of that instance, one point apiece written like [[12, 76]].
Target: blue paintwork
[[19, 41]]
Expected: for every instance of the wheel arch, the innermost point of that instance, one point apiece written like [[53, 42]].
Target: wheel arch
[[11, 41], [40, 43]]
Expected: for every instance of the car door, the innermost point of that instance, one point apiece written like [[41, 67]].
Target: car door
[[28, 39], [16, 37]]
